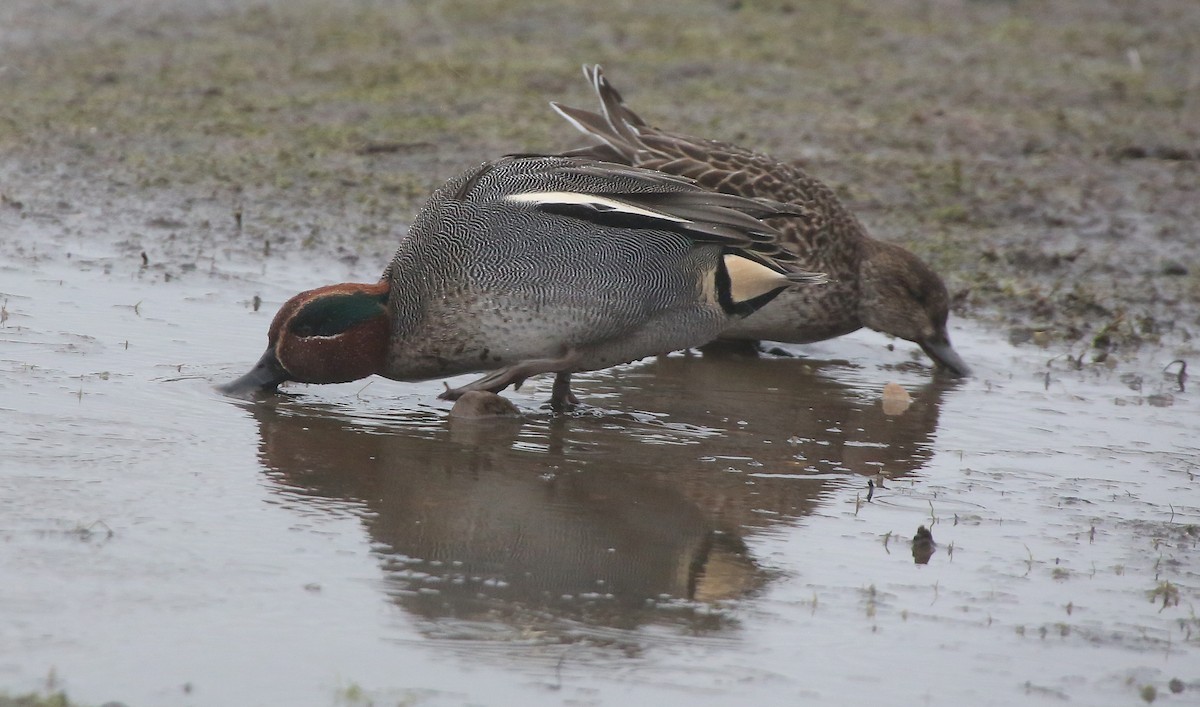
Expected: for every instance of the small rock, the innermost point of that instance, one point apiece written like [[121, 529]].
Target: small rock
[[1174, 268], [165, 222], [895, 399], [923, 546], [1019, 335], [479, 403], [1164, 400]]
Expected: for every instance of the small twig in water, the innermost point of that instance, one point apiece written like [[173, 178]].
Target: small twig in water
[[558, 668], [1181, 377], [86, 531]]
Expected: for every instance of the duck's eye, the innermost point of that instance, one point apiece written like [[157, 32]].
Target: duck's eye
[[307, 329]]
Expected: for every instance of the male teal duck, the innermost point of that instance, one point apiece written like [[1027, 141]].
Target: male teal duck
[[872, 283], [532, 265]]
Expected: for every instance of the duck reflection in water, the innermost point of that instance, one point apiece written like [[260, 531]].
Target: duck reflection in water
[[550, 522]]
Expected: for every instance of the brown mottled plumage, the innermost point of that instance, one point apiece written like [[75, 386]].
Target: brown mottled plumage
[[872, 283]]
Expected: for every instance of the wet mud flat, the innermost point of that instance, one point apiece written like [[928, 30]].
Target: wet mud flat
[[701, 532]]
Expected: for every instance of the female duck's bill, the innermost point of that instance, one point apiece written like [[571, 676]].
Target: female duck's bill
[[944, 356]]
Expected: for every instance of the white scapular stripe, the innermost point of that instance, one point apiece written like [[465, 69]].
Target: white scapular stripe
[[599, 203], [748, 279]]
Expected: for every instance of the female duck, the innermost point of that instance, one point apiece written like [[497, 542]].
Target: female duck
[[872, 283], [538, 265]]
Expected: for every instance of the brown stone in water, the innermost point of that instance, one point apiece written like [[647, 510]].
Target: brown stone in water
[[479, 403], [895, 399], [923, 546]]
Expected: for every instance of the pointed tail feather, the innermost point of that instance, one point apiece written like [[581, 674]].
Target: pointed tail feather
[[595, 126], [623, 120], [616, 125]]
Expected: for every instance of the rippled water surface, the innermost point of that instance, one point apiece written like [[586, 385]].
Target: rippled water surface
[[703, 532]]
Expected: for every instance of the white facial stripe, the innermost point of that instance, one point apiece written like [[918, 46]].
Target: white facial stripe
[[598, 203]]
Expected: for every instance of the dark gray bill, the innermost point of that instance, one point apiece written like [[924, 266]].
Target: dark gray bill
[[266, 375], [943, 354]]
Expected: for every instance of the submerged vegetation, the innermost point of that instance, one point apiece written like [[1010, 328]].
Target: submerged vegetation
[[33, 699]]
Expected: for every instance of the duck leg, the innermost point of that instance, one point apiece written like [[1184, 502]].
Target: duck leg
[[516, 374], [561, 397]]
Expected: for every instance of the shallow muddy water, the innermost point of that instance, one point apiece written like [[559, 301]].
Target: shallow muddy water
[[700, 533]]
